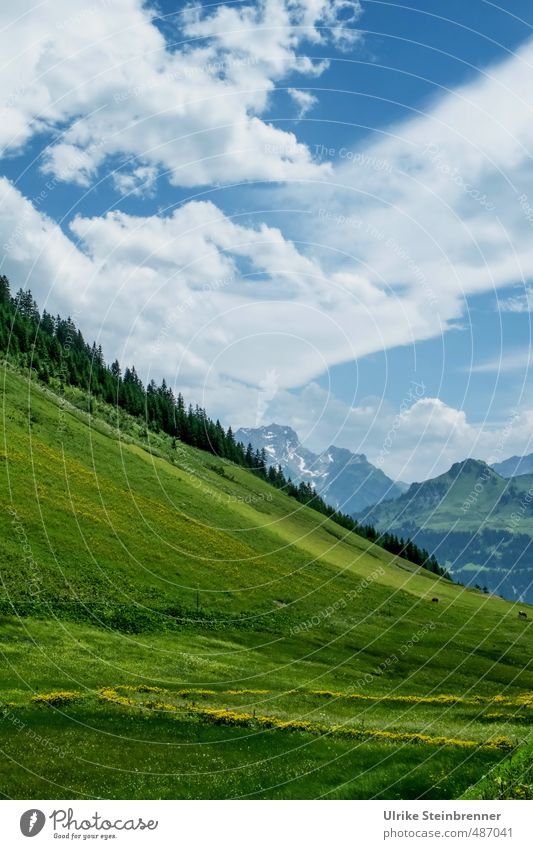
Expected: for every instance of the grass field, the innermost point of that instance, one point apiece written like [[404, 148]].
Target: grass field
[[174, 627]]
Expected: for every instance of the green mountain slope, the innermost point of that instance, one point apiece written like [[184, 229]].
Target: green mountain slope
[[181, 533], [478, 524], [165, 597], [54, 350]]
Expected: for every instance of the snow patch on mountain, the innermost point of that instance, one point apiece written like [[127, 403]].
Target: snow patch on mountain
[[346, 480]]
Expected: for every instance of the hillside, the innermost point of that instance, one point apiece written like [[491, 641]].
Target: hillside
[[54, 351], [176, 527], [154, 593], [344, 479], [477, 523]]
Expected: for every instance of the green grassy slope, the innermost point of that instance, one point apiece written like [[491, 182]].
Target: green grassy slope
[[106, 520], [308, 661], [512, 778]]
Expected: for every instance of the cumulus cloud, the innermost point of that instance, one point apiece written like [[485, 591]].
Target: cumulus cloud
[[169, 293], [276, 307], [333, 19], [419, 438], [104, 76], [246, 299], [138, 182], [393, 237]]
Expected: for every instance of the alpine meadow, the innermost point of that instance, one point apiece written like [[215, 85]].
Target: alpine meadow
[[155, 593], [266, 446]]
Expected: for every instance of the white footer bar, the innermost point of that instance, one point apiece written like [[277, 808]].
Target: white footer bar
[[267, 824]]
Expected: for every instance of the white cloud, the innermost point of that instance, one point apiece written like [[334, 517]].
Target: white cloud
[[332, 18], [304, 100], [438, 208], [167, 293], [211, 304], [272, 28], [105, 76], [404, 230], [419, 438], [507, 362], [522, 302], [37, 254], [285, 314], [131, 272], [138, 182]]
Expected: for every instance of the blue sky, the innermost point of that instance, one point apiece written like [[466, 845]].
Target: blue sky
[[293, 211]]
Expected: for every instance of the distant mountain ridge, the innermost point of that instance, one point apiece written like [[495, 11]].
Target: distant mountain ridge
[[346, 480], [477, 523], [515, 466]]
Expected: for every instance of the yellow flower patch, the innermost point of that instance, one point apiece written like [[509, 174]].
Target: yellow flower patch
[[109, 694], [165, 707], [525, 700], [219, 716], [421, 700], [500, 743], [192, 692], [57, 697], [142, 688]]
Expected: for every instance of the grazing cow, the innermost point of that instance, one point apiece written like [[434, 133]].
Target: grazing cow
[[435, 599], [522, 614]]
